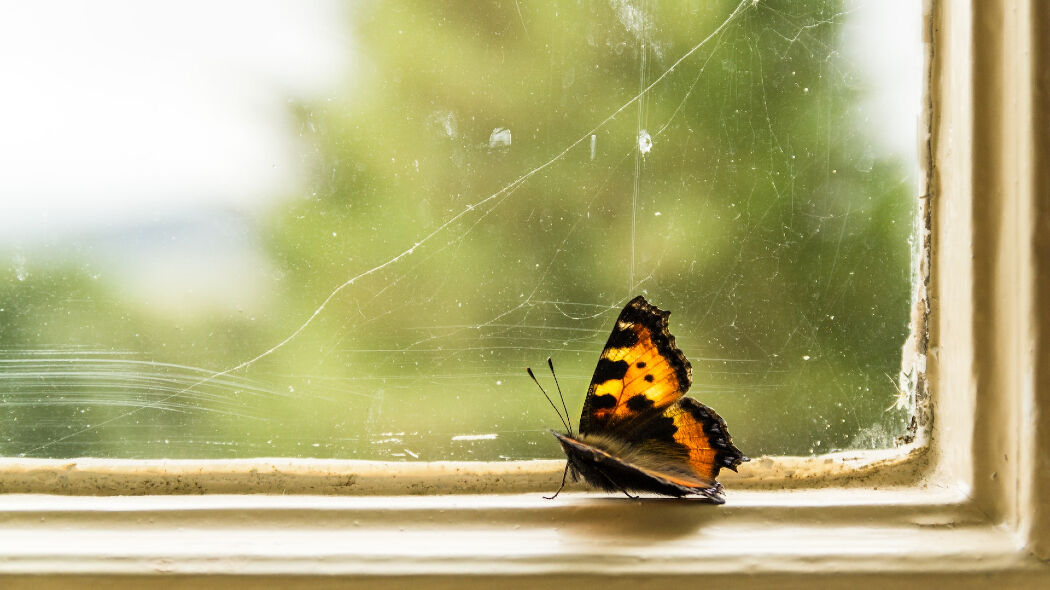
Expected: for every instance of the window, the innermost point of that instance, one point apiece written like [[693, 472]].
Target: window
[[422, 200]]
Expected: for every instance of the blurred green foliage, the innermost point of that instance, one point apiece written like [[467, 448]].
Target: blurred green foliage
[[762, 217]]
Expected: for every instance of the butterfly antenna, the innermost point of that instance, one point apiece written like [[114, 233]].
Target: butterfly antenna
[[550, 364], [549, 400]]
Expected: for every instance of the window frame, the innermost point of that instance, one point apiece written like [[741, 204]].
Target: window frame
[[972, 502]]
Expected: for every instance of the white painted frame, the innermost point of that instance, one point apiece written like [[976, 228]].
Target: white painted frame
[[970, 508]]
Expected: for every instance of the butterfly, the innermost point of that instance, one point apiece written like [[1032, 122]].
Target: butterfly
[[638, 431]]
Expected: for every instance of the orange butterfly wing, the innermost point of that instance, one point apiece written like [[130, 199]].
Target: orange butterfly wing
[[705, 436], [640, 372]]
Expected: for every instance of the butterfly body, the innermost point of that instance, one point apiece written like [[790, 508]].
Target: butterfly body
[[638, 431], [612, 465]]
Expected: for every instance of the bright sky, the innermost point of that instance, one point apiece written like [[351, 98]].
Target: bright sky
[[884, 38], [117, 113]]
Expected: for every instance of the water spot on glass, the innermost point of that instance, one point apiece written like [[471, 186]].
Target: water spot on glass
[[594, 145], [805, 357], [500, 138], [645, 141]]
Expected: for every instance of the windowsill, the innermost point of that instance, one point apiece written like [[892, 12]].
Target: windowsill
[[773, 533], [288, 476]]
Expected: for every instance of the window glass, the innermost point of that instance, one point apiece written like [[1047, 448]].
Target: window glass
[[344, 230]]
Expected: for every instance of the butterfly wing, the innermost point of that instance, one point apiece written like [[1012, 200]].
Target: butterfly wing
[[640, 372], [705, 438]]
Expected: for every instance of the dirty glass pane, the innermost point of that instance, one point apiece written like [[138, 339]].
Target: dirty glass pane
[[343, 230]]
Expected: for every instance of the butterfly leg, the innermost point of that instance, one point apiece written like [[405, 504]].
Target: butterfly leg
[[564, 474]]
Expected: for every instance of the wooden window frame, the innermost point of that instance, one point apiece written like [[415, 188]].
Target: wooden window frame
[[969, 506]]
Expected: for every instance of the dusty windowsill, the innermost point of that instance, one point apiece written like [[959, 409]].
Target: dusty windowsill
[[903, 466]]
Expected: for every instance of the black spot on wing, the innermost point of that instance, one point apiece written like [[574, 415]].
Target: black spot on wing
[[649, 378], [604, 401], [641, 364], [608, 370], [638, 403]]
